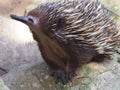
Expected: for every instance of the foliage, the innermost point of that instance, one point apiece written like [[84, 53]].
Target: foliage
[[114, 7], [0, 85]]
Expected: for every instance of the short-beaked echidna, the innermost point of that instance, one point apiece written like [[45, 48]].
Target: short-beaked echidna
[[72, 33]]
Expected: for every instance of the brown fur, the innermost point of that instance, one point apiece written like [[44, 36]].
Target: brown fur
[[60, 56]]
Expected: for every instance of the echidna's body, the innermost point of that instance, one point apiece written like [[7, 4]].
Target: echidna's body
[[71, 34]]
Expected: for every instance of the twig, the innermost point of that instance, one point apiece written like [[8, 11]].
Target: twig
[[112, 12]]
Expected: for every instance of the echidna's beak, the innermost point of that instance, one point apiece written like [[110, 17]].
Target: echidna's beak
[[20, 18]]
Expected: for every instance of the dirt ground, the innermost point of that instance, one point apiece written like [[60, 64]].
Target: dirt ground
[[17, 7]]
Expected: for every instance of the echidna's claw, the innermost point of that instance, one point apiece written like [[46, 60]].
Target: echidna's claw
[[63, 76]]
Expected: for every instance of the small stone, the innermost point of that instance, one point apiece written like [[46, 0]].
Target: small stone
[[21, 85], [41, 80], [35, 85], [46, 77], [50, 85], [42, 74]]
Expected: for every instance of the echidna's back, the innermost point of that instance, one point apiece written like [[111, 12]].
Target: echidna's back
[[86, 23]]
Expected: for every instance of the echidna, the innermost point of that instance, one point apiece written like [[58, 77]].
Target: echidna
[[72, 33]]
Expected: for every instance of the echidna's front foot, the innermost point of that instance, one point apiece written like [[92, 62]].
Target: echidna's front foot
[[63, 76]]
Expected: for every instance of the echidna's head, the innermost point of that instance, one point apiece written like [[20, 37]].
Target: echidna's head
[[30, 21], [34, 19]]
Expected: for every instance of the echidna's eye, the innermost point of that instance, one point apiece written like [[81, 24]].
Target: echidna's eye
[[30, 19]]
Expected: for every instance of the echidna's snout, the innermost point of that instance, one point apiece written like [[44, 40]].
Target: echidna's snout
[[24, 19]]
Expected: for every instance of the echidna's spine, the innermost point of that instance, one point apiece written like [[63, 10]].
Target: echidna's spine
[[88, 23]]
